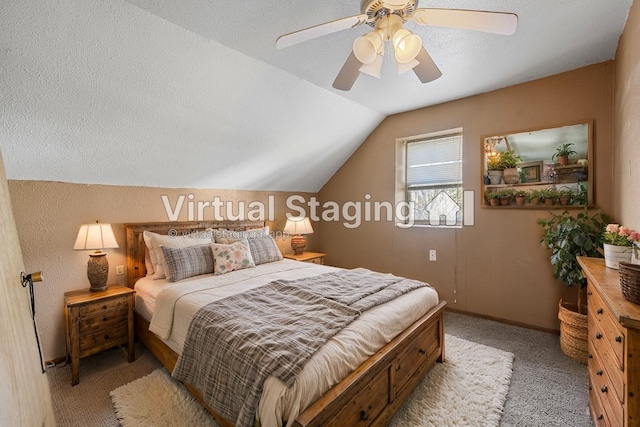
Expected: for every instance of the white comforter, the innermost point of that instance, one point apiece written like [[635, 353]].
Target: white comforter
[[170, 307]]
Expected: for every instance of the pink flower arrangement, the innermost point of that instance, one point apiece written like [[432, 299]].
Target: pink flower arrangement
[[618, 235]]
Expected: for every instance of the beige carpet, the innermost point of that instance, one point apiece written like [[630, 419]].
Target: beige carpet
[[468, 390]]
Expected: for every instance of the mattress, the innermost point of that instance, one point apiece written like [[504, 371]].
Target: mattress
[[342, 354]]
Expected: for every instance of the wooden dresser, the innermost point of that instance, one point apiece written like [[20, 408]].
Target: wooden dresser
[[613, 348]]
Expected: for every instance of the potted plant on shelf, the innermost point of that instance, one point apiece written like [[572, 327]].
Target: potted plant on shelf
[[510, 161], [521, 197], [549, 196], [505, 197], [562, 153], [568, 237], [564, 196], [493, 197], [535, 196], [495, 169]]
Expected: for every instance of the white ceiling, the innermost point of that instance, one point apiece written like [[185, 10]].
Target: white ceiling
[[194, 94]]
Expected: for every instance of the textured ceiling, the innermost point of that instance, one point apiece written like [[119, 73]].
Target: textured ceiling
[[194, 93]]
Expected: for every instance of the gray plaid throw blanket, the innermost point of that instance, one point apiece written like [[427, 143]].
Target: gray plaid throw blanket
[[234, 344]]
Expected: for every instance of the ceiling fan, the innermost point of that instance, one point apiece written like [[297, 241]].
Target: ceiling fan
[[387, 18]]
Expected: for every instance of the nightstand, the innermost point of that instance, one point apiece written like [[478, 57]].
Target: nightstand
[[313, 257], [97, 321]]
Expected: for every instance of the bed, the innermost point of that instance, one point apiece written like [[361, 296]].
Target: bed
[[375, 384]]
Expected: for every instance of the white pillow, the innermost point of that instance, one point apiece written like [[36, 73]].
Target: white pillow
[[235, 256], [155, 240], [230, 236]]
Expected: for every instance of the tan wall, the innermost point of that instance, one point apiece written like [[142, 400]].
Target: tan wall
[[497, 267], [627, 123], [49, 214]]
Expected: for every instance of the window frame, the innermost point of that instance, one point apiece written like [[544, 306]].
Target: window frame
[[402, 190]]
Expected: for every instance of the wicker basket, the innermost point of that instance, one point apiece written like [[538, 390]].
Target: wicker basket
[[573, 332], [630, 281]]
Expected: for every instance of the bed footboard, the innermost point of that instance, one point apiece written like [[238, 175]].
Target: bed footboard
[[372, 393]]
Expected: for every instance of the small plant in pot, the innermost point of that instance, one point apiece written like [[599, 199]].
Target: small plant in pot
[[510, 161], [564, 196], [569, 236], [493, 197], [521, 197], [563, 152], [495, 169]]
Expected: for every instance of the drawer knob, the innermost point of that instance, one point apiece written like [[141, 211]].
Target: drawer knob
[[104, 307], [364, 416], [599, 311], [600, 417], [604, 389], [590, 356], [618, 338], [598, 335], [106, 336], [589, 293], [599, 372], [422, 352]]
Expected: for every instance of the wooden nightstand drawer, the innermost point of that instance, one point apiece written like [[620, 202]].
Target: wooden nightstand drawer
[[312, 257], [103, 306], [102, 340], [103, 321]]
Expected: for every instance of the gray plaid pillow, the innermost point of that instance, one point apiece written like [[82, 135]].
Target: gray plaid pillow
[[264, 249], [188, 262]]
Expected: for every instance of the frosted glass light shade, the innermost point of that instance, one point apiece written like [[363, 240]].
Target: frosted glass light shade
[[367, 47], [406, 46]]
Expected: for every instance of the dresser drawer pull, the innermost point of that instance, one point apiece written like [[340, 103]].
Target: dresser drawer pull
[[599, 372], [364, 416], [600, 311], [618, 338], [600, 417], [589, 293], [604, 389], [598, 335], [106, 336], [104, 307], [590, 356]]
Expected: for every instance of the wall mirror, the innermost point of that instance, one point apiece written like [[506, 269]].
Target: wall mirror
[[539, 168]]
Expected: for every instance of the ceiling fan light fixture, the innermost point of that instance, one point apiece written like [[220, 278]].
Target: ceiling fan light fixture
[[406, 46], [374, 69], [368, 47]]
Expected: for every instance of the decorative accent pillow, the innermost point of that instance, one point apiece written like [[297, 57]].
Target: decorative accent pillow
[[155, 240], [234, 256], [264, 249], [187, 262], [230, 236]]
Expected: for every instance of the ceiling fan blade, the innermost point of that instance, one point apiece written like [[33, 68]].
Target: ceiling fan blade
[[320, 30], [426, 70], [348, 74], [490, 22]]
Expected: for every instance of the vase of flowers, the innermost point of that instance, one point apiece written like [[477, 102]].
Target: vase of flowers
[[618, 244]]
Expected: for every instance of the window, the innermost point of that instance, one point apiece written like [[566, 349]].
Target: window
[[430, 175]]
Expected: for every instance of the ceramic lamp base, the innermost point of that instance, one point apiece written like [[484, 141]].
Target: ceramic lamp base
[[98, 271], [298, 243]]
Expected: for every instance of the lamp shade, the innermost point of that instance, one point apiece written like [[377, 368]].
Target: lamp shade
[[298, 225], [366, 48], [406, 46], [95, 236]]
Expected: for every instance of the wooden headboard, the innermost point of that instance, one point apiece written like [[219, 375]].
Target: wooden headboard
[[136, 247]]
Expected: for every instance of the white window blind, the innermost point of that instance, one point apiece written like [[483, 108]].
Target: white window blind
[[434, 162]]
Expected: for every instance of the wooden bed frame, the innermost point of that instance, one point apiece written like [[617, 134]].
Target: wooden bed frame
[[369, 396]]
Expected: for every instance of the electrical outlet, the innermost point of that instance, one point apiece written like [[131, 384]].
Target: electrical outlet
[[120, 270], [432, 255]]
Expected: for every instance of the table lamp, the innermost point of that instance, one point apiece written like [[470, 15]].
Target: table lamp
[[97, 237], [297, 226]]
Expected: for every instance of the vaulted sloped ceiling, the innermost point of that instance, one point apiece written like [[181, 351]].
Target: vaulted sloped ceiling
[[194, 94]]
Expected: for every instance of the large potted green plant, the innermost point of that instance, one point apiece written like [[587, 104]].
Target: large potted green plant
[[569, 236]]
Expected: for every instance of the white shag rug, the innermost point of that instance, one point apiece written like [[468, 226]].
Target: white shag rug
[[469, 389]]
